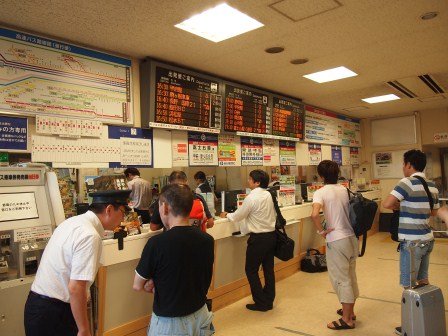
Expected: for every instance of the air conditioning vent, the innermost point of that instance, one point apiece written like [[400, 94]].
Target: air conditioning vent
[[417, 86], [428, 80]]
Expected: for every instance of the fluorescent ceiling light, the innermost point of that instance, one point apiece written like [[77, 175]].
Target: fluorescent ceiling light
[[219, 23], [331, 74], [380, 99]]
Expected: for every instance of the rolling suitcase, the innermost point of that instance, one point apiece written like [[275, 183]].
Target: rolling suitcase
[[422, 308]]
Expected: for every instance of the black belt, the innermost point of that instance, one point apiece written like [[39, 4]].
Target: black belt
[[260, 233], [47, 298]]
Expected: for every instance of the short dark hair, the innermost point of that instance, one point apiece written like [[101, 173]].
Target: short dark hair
[[131, 171], [179, 197], [416, 158], [98, 208], [329, 170], [260, 176], [200, 175], [177, 175]]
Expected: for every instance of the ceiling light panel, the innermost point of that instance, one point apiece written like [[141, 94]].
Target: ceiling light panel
[[219, 23], [380, 99], [331, 75]]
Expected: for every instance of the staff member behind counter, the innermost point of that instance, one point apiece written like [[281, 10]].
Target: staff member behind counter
[[199, 211], [57, 302], [141, 193]]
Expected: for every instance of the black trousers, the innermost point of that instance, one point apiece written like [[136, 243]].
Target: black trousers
[[260, 252], [48, 317], [146, 218]]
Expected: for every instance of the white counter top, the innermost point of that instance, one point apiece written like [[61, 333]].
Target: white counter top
[[223, 228]]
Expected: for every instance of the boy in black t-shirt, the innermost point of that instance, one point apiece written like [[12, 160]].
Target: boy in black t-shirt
[[179, 263]]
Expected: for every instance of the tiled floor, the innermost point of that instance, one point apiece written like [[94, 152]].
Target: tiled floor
[[306, 302]]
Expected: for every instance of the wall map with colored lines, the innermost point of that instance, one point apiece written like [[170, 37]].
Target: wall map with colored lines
[[43, 76]]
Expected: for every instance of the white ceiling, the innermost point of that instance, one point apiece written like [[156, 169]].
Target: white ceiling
[[381, 40]]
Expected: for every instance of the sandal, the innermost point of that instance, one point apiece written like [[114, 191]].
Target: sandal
[[340, 326], [339, 312]]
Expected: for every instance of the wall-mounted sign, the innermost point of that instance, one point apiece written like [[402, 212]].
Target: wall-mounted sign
[[13, 133], [177, 98], [202, 149], [323, 126], [251, 151], [288, 117], [44, 76], [246, 110]]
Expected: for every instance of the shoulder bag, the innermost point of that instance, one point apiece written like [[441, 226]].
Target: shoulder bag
[[284, 248]]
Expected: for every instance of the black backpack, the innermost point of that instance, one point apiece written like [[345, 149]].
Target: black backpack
[[362, 213]]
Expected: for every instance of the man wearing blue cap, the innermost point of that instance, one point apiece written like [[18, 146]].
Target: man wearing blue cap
[[57, 302]]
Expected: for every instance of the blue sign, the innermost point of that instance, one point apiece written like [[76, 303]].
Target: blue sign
[[336, 154], [13, 133]]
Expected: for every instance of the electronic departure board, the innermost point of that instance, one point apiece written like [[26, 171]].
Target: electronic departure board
[[180, 99], [288, 118], [246, 110]]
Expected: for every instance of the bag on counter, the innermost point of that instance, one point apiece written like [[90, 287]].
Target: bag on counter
[[313, 261], [284, 249]]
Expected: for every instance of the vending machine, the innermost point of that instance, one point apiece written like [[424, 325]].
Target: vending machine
[[30, 209]]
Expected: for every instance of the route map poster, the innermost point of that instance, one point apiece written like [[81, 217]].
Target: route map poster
[[42, 76]]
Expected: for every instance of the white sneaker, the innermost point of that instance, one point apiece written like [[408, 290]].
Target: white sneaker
[[398, 330]]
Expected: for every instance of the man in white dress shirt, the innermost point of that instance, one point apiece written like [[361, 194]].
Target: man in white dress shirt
[[57, 302], [257, 218]]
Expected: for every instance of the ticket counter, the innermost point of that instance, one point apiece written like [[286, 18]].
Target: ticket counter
[[122, 311]]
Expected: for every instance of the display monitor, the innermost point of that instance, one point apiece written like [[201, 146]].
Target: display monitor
[[230, 200]]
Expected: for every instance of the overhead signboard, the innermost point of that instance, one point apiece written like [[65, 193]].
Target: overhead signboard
[[179, 99], [288, 117], [246, 110]]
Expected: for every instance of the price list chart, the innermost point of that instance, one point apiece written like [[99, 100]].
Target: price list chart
[[246, 111], [288, 118]]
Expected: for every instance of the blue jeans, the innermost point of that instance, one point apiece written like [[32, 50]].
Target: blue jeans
[[197, 324], [421, 261]]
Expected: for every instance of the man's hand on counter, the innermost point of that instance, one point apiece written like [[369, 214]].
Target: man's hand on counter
[[210, 223], [223, 214]]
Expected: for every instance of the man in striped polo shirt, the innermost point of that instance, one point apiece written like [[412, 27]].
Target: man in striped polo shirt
[[409, 196]]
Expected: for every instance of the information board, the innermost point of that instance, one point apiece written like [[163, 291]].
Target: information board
[[328, 127], [180, 99], [246, 110], [288, 117], [43, 76]]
